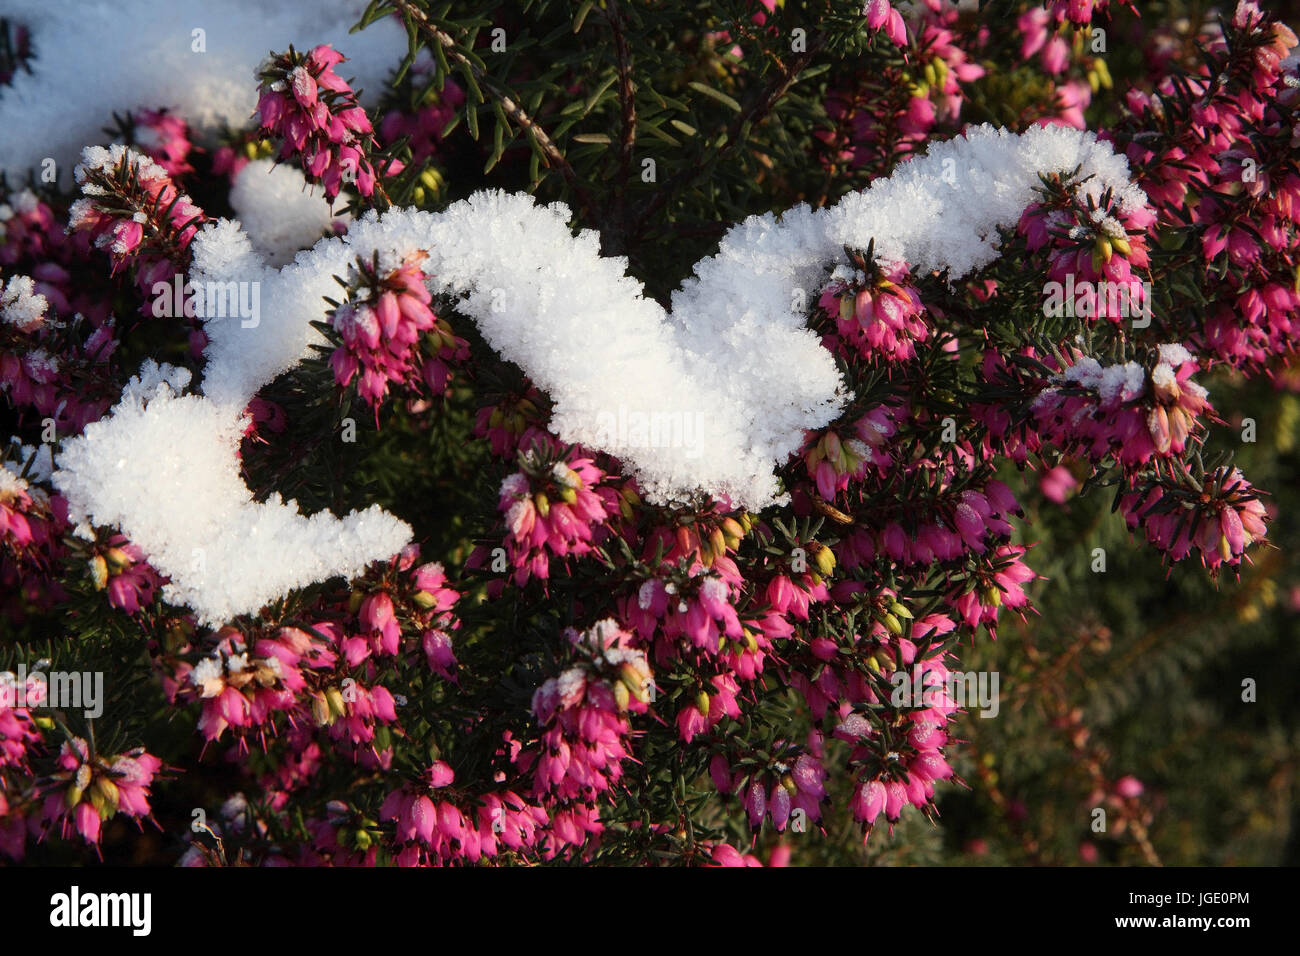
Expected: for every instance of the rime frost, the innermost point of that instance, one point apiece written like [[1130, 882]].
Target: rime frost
[[734, 357], [21, 305], [163, 468]]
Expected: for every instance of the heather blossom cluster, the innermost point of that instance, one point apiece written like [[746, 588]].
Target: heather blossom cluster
[[314, 113], [383, 326], [133, 211], [1124, 410]]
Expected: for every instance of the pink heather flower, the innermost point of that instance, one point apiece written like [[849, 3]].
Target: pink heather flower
[[433, 600], [228, 161], [795, 595], [907, 769], [882, 16], [439, 654], [951, 67], [1080, 12], [383, 328], [359, 711], [515, 423], [18, 730], [381, 633], [724, 854], [1087, 246], [133, 774], [154, 236], [507, 823], [17, 511], [586, 735], [1220, 519], [165, 137], [584, 745], [981, 605], [88, 790], [701, 609], [1122, 410], [314, 112], [834, 460], [423, 127], [1057, 483], [878, 320], [869, 801], [432, 831], [1129, 787], [131, 581], [555, 511], [709, 707], [241, 689]]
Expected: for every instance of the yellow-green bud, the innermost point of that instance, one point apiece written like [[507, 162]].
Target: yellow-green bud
[[1103, 72], [824, 558], [99, 572], [621, 695], [334, 698], [899, 609], [634, 679], [107, 791], [320, 710]]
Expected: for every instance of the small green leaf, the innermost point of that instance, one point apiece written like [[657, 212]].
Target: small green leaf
[[722, 98], [581, 17]]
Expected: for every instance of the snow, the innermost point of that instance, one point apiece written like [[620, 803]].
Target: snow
[[163, 468], [21, 305], [280, 211], [94, 57], [1120, 383], [1174, 354], [734, 353], [1113, 384]]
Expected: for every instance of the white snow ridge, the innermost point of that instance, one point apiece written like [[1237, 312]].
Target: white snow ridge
[[734, 355]]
